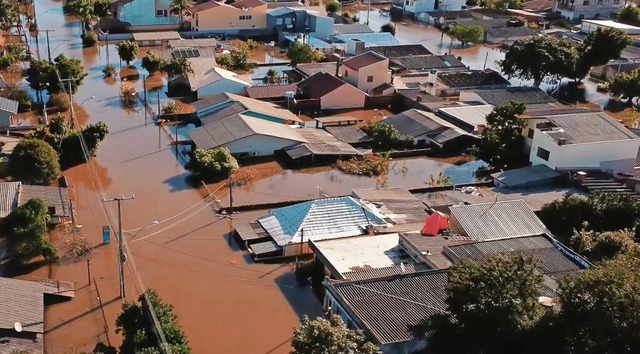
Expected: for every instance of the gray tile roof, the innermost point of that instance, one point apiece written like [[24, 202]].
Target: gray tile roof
[[400, 50], [555, 109], [526, 95], [9, 192], [209, 101], [374, 273], [415, 123], [588, 128], [320, 142], [54, 197], [504, 219], [431, 247], [21, 301], [509, 32], [427, 62], [226, 112], [391, 307], [319, 219], [8, 105], [352, 28], [349, 134]]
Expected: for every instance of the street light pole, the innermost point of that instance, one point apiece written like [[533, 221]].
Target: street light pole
[[48, 47], [121, 256]]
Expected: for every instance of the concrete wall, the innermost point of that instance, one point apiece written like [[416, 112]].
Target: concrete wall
[[227, 17], [615, 156], [258, 145], [221, 86], [345, 96]]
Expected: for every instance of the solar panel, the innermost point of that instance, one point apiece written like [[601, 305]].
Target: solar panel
[[185, 53]]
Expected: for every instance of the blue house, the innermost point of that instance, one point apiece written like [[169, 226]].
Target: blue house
[[290, 21], [146, 14]]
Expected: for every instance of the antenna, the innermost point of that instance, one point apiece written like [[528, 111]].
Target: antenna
[[494, 203], [17, 326]]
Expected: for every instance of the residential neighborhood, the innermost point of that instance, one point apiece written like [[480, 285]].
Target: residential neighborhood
[[365, 177]]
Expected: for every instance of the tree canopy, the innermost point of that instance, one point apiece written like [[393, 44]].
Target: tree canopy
[[176, 67], [212, 164], [35, 161], [600, 246], [299, 53], [625, 85], [385, 136], [388, 27], [629, 15], [329, 336], [180, 6], [598, 48], [503, 4], [490, 306], [332, 7], [43, 75], [467, 34], [501, 144], [152, 62], [137, 326], [25, 233], [127, 51]]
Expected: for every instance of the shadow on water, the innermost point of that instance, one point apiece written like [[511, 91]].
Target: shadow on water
[[179, 182], [299, 295]]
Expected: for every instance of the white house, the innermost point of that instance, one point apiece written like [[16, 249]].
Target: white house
[[580, 9], [588, 26], [419, 6], [366, 71], [246, 136], [8, 108], [207, 79], [589, 141]]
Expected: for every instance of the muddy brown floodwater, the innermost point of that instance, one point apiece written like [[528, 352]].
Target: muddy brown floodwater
[[226, 303]]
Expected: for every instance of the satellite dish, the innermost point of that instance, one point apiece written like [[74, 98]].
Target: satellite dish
[[18, 327]]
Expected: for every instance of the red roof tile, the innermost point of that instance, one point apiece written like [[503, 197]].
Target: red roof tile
[[248, 4], [204, 6], [270, 91], [362, 60]]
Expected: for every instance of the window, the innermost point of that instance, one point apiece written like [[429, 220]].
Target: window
[[530, 133], [585, 3], [159, 13], [370, 78], [165, 13], [406, 3], [245, 17], [288, 20], [346, 73], [543, 154], [278, 21]]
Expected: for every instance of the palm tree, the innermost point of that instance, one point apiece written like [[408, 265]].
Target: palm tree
[[180, 6], [176, 67]]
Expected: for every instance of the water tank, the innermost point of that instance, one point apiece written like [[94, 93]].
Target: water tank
[[433, 76], [355, 47]]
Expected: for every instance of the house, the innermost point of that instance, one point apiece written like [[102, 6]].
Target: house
[[497, 220], [508, 34], [207, 79], [472, 119], [15, 194], [379, 306], [319, 145], [147, 39], [425, 63], [350, 134], [294, 20], [446, 17], [245, 136], [213, 108], [303, 71], [145, 14], [614, 68], [416, 7], [575, 10], [403, 210], [400, 50], [588, 26], [363, 257], [524, 94], [366, 71], [426, 129], [8, 108], [271, 92], [331, 92], [229, 18], [590, 141], [287, 230]]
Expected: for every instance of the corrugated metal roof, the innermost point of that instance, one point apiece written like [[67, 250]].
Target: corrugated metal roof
[[526, 95], [250, 231], [9, 193], [264, 248], [431, 247], [415, 123], [21, 301], [53, 197], [391, 308], [8, 105], [193, 43], [588, 128], [352, 28], [472, 115], [320, 142], [370, 39], [350, 134], [490, 221], [320, 219], [375, 273]]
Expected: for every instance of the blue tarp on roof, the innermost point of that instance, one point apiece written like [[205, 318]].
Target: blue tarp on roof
[[314, 42], [370, 39]]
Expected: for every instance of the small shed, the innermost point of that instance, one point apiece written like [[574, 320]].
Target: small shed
[[161, 38]]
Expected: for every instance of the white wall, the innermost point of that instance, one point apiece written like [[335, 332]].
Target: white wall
[[531, 124], [221, 86], [345, 96], [419, 6], [618, 156], [261, 145]]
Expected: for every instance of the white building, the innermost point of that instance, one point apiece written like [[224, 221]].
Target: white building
[[366, 71], [573, 10], [589, 141], [588, 26], [417, 7]]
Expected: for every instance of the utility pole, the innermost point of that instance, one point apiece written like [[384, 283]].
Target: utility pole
[[70, 92], [144, 85], [35, 21], [121, 256], [230, 196], [48, 47], [368, 10]]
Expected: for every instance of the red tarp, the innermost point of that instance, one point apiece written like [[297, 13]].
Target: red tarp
[[435, 223]]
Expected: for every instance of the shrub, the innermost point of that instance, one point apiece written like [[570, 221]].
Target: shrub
[[368, 165], [251, 44], [152, 62], [388, 27], [60, 102], [332, 7], [34, 160], [109, 70], [212, 164], [89, 39], [170, 108]]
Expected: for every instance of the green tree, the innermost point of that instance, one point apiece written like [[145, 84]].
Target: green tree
[[35, 161], [9, 14], [102, 8], [540, 59], [598, 48], [599, 246], [152, 62], [329, 336], [127, 51], [89, 39], [467, 34], [39, 74], [272, 77], [502, 143], [300, 53], [180, 6], [491, 306], [389, 28], [136, 324], [601, 309], [176, 67], [212, 164], [84, 10], [629, 14], [332, 7], [602, 211], [384, 136], [66, 68], [25, 232], [625, 85]]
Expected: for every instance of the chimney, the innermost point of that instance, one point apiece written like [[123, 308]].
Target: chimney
[[562, 141], [338, 66]]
